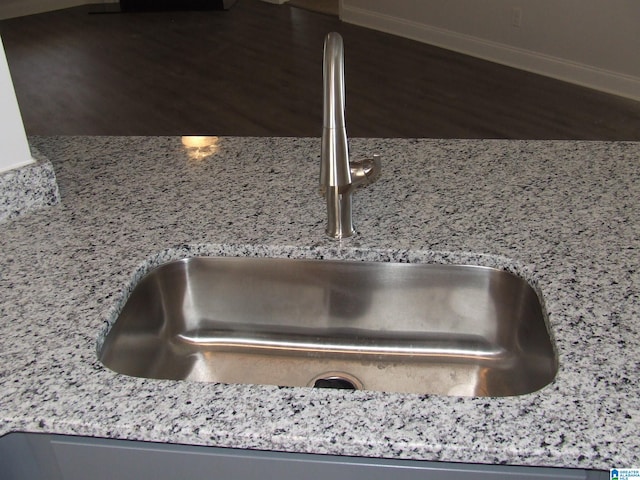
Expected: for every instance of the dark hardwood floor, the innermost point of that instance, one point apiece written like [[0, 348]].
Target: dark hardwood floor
[[256, 70]]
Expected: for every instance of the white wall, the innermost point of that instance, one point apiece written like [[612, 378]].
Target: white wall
[[18, 8], [595, 43], [14, 149]]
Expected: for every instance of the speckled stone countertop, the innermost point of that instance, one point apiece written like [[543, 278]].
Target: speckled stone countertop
[[25, 189], [563, 214]]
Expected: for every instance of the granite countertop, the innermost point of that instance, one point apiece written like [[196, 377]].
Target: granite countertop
[[563, 214]]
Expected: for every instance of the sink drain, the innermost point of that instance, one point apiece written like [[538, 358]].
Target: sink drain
[[338, 380]]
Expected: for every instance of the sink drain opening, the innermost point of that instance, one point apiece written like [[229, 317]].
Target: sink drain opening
[[340, 383], [336, 380]]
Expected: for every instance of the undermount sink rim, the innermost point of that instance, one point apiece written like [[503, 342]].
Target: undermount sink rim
[[494, 261]]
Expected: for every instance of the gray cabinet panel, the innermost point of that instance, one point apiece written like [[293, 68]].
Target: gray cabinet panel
[[78, 458]]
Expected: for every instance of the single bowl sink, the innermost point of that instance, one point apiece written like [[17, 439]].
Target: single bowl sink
[[395, 327]]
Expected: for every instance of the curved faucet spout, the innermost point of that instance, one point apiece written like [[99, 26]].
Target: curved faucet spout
[[333, 78], [334, 167]]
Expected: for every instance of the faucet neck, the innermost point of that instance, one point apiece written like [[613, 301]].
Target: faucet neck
[[334, 166], [333, 79]]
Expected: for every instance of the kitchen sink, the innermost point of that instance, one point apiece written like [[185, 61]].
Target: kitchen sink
[[394, 327]]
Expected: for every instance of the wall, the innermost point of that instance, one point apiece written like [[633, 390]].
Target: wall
[[14, 149], [588, 42], [17, 8]]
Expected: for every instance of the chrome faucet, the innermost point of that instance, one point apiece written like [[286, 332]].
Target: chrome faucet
[[339, 177]]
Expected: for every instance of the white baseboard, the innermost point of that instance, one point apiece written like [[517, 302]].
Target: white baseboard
[[20, 8], [531, 61]]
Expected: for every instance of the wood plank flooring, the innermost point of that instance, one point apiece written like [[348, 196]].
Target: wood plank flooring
[[256, 70]]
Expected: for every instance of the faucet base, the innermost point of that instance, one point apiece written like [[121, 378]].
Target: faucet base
[[339, 224]]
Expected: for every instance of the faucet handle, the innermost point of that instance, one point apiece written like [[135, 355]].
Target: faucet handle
[[365, 172]]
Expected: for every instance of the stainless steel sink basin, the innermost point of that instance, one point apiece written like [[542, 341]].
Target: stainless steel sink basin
[[441, 329]]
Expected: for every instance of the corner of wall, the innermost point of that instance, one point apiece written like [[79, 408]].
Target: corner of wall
[[14, 148]]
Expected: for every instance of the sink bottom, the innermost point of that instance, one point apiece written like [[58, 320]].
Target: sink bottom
[[282, 370]]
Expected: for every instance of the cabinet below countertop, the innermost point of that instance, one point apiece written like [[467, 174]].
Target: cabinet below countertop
[[58, 457]]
